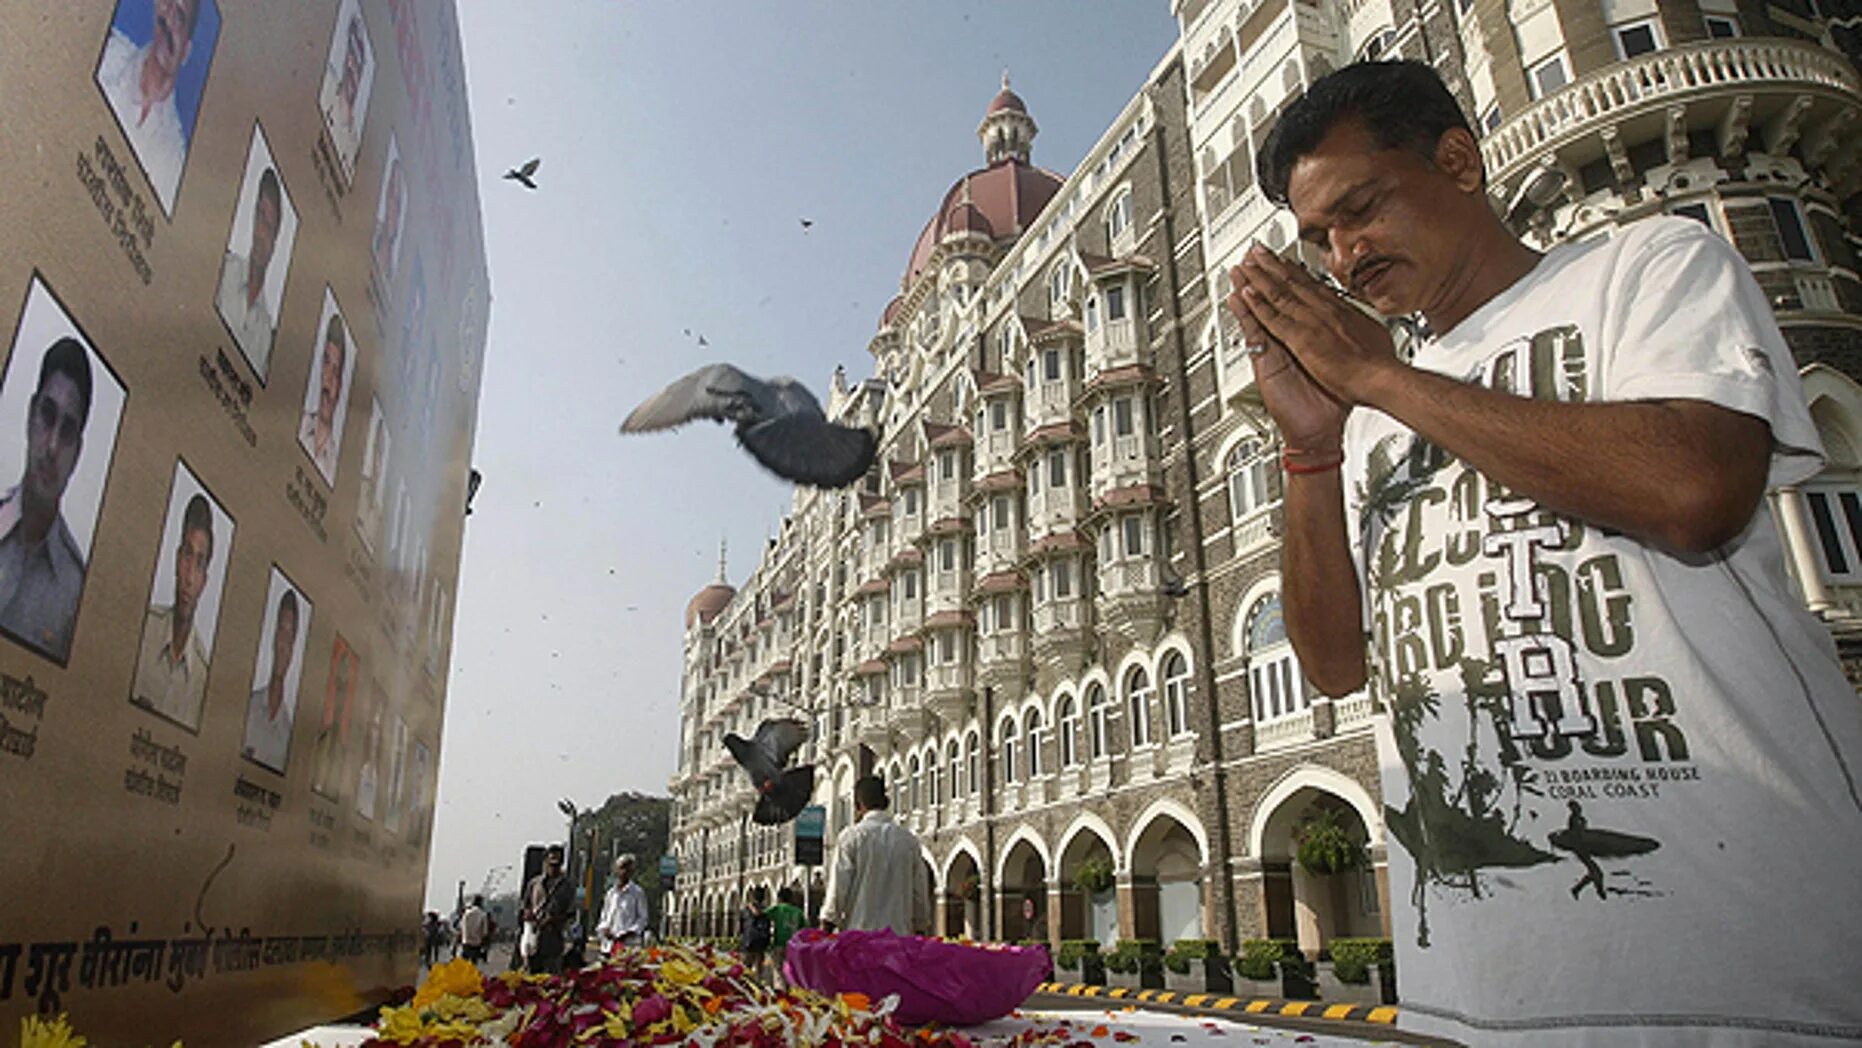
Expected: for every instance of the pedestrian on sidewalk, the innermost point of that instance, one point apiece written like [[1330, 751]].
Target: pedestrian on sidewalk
[[624, 911], [432, 936], [879, 878], [474, 930], [784, 919], [755, 931], [549, 899]]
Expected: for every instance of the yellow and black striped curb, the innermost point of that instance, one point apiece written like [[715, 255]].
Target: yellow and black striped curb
[[1219, 1004]]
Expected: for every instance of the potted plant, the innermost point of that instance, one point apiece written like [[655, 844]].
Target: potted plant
[[1079, 959], [1135, 964], [1325, 847], [1361, 971], [1197, 966], [1094, 876], [1271, 968]]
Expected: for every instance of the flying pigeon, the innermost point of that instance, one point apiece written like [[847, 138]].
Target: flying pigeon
[[807, 224], [779, 422], [782, 794], [523, 174]]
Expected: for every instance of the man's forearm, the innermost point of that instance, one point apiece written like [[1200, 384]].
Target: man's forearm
[[1684, 475], [1319, 586]]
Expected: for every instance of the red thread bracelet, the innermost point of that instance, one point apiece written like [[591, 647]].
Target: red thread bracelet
[[1296, 469]]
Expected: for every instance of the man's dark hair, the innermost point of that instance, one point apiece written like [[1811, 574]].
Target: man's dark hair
[[870, 793], [479, 901], [68, 358], [554, 849], [786, 896], [333, 332], [758, 894], [287, 605], [198, 517], [1404, 105], [268, 187]]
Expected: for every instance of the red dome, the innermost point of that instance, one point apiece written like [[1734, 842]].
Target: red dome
[[708, 603], [965, 218], [1007, 99], [1006, 196]]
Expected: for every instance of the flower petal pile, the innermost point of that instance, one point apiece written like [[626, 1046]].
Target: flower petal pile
[[661, 995]]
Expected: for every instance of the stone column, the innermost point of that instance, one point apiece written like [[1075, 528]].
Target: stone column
[[1800, 545]]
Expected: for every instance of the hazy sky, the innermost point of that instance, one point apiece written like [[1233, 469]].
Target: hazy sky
[[682, 143]]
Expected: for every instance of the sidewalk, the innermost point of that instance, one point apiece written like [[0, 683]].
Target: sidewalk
[[1355, 1020]]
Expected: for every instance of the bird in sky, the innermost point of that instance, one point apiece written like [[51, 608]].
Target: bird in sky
[[779, 422], [526, 173], [782, 792], [807, 224]]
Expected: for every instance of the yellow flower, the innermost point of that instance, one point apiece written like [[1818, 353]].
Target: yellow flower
[[400, 1025], [453, 1007], [683, 973], [458, 977], [35, 1032]]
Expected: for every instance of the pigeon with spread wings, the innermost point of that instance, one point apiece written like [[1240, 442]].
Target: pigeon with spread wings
[[778, 422], [781, 792], [527, 173]]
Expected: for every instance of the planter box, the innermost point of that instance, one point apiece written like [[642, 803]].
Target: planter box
[[1337, 991], [1254, 989], [1091, 972], [1129, 980], [1204, 976], [1298, 982]]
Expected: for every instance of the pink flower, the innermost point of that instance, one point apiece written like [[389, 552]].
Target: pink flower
[[649, 1010]]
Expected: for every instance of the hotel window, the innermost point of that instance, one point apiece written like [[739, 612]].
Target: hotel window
[[999, 513], [954, 754], [1005, 733], [974, 761], [947, 555], [1138, 697], [1059, 284], [1273, 668], [1096, 728], [1491, 119], [1061, 575], [1050, 365], [1115, 303], [1251, 479], [999, 416], [1721, 27], [1031, 736], [1637, 38], [1176, 695], [1550, 75], [1836, 512], [1069, 727], [1121, 417], [1099, 425], [1057, 468], [1118, 217], [1134, 535], [1792, 233]]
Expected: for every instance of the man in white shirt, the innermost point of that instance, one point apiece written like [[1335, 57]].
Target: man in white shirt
[[318, 432], [474, 930], [624, 911], [171, 673], [1609, 722], [879, 878], [140, 84], [242, 299], [268, 712]]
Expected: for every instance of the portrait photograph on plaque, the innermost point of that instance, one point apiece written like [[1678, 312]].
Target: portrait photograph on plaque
[[258, 255], [372, 500], [390, 216], [348, 77], [339, 693], [326, 395], [60, 406], [183, 614], [272, 705], [368, 774], [153, 72]]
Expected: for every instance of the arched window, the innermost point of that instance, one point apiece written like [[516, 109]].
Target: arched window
[[1059, 283], [973, 764], [933, 795], [1068, 722], [1176, 674], [897, 777], [1118, 215], [1005, 741], [1031, 741], [1138, 705], [1096, 728], [953, 754], [1273, 668], [1253, 482], [917, 785]]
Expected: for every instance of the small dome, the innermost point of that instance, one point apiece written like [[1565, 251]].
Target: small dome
[[708, 603], [1006, 99], [891, 314]]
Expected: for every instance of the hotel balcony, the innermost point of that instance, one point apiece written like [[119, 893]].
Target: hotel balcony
[[948, 687], [1756, 94]]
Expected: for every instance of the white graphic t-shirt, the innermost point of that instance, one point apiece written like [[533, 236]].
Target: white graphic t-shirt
[[1620, 784]]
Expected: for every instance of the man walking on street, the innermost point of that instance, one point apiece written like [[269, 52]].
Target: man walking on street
[[624, 911], [474, 930], [1551, 524], [878, 880], [549, 899]]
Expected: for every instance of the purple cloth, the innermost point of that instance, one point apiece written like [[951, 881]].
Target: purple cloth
[[936, 981]]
